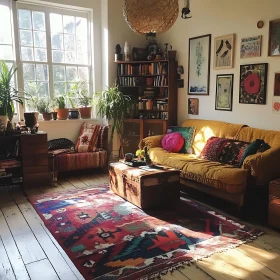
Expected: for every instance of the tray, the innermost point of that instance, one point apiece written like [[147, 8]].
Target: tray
[[135, 163]]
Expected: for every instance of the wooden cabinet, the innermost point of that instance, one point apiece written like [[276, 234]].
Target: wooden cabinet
[[34, 152], [274, 203]]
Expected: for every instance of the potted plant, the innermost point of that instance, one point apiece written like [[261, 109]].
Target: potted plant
[[8, 94], [43, 108], [53, 108], [72, 96], [115, 107], [62, 112], [32, 98], [85, 109]]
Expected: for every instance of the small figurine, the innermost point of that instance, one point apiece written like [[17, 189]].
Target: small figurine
[[186, 10], [118, 55], [127, 52]]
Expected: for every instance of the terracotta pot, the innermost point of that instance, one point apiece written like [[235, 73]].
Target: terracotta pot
[[62, 114], [47, 116], [4, 120], [85, 112]]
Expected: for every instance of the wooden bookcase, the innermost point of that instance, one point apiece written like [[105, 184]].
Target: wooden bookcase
[[152, 86]]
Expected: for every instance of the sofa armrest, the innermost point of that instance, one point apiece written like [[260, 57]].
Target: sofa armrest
[[151, 142], [264, 166]]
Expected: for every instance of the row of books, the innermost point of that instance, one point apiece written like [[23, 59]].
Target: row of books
[[9, 163], [156, 68], [161, 81], [127, 81]]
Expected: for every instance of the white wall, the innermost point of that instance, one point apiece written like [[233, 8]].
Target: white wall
[[220, 17]]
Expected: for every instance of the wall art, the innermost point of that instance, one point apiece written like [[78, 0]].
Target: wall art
[[199, 65], [193, 106], [224, 51], [251, 47], [274, 38], [277, 84], [253, 82], [224, 92], [276, 105]]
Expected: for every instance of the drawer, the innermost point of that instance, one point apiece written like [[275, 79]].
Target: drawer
[[35, 169], [36, 180], [31, 160], [274, 189], [27, 140], [34, 149], [274, 211]]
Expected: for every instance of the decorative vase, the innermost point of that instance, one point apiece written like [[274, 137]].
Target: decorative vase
[[47, 116], [85, 112], [4, 121], [73, 114], [62, 113]]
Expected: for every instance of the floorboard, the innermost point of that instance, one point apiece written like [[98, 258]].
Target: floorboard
[[27, 247]]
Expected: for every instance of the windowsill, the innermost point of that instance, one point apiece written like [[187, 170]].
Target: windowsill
[[68, 120]]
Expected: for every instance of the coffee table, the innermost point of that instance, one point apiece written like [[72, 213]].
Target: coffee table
[[145, 189]]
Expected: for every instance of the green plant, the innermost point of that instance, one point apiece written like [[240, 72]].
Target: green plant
[[32, 96], [61, 102], [84, 101], [78, 93], [43, 106], [8, 94]]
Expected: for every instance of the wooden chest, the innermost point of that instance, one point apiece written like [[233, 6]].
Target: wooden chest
[[145, 189], [274, 203]]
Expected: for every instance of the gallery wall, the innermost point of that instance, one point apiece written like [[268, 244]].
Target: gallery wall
[[219, 17]]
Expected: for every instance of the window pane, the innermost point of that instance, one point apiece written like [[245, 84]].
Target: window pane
[[42, 72], [81, 27], [38, 21], [24, 19], [6, 52], [71, 73], [59, 73], [83, 73], [57, 41], [82, 51], [40, 55], [43, 89], [56, 23], [28, 72], [58, 56], [26, 38], [69, 42], [5, 27], [59, 88], [69, 24], [40, 39], [70, 57], [27, 54]]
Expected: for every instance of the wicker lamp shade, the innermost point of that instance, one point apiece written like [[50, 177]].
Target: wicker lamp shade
[[150, 16]]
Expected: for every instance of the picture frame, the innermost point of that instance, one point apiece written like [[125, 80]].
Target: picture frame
[[224, 92], [277, 84], [224, 47], [199, 65], [274, 38], [253, 83], [193, 107], [139, 54], [251, 47]]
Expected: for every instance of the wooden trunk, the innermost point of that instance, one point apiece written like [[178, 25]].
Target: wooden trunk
[[274, 204], [145, 189]]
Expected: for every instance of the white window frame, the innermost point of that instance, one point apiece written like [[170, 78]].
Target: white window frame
[[48, 8]]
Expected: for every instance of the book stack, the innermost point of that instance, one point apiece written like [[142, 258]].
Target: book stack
[[160, 81]]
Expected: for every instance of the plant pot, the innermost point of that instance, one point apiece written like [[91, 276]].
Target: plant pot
[[4, 121], [85, 112], [47, 116], [62, 114], [73, 113], [54, 115]]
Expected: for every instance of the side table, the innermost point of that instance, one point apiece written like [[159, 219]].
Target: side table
[[274, 204]]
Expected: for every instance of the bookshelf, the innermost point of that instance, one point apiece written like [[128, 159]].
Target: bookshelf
[[152, 85]]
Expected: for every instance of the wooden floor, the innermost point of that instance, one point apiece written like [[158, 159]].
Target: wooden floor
[[28, 250]]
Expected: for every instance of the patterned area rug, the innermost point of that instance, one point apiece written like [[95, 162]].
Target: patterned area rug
[[109, 238]]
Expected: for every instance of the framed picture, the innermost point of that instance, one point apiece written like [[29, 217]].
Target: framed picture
[[251, 47], [224, 92], [199, 65], [253, 82], [274, 38], [277, 84], [193, 106], [224, 51], [139, 54]]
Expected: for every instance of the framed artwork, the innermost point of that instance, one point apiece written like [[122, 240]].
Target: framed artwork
[[199, 65], [193, 106], [224, 51], [276, 105], [277, 84], [224, 92], [251, 47], [274, 38], [253, 82], [139, 54]]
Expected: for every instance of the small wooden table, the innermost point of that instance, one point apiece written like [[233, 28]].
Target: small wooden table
[[145, 189], [274, 203]]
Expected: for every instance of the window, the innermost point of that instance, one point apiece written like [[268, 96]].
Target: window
[[54, 49]]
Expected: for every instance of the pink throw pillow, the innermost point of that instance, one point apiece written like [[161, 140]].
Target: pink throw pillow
[[173, 142]]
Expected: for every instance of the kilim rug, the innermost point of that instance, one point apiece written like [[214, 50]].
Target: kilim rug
[[108, 238]]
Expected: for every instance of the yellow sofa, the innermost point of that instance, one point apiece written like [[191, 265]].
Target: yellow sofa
[[215, 178]]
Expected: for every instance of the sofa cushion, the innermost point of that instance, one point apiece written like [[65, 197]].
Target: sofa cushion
[[213, 174], [173, 142], [87, 141], [188, 134]]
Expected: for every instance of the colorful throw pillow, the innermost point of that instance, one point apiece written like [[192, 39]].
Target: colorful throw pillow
[[188, 134], [87, 141], [173, 142]]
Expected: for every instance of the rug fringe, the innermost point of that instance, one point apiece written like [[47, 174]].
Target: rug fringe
[[180, 265]]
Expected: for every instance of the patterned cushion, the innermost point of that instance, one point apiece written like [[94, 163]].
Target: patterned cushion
[[103, 138], [61, 143], [188, 134], [173, 142], [87, 141], [211, 148]]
